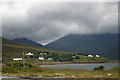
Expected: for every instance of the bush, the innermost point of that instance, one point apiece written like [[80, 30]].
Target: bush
[[115, 68], [99, 68], [77, 57], [17, 66], [7, 69]]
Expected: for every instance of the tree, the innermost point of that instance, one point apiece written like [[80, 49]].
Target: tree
[[77, 57]]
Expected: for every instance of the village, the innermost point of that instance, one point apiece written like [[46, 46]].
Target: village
[[53, 57]]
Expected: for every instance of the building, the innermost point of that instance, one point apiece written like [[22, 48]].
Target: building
[[50, 58], [29, 53], [43, 53], [41, 58], [90, 55], [73, 57], [17, 59], [97, 56]]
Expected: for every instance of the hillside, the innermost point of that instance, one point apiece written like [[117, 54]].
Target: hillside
[[105, 45], [11, 49], [27, 41]]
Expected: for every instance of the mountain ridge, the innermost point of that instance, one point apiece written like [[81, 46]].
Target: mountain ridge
[[104, 44], [27, 41]]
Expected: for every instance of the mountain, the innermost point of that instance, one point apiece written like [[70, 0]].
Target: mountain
[[27, 41], [105, 45]]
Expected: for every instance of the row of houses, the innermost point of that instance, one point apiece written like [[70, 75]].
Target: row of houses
[[17, 59], [93, 56], [40, 58], [46, 54], [31, 54]]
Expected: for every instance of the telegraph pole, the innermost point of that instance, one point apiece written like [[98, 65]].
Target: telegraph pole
[[23, 63]]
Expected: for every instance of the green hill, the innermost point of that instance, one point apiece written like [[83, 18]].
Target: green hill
[[11, 49]]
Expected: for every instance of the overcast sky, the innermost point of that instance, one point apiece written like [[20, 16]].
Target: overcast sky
[[44, 22]]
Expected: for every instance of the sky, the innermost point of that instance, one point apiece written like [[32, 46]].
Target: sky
[[45, 22]]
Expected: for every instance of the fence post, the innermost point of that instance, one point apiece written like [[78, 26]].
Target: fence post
[[23, 63]]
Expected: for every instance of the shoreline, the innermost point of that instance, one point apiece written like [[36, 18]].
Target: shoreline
[[57, 63]]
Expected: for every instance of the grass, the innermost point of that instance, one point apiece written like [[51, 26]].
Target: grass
[[65, 73], [91, 59], [32, 70]]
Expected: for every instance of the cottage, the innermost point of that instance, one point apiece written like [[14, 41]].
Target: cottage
[[50, 58], [73, 57], [17, 59], [43, 53], [97, 56], [41, 58], [29, 53], [109, 74], [90, 55]]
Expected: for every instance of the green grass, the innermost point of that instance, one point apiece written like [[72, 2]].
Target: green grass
[[116, 68], [12, 49], [14, 69], [91, 59]]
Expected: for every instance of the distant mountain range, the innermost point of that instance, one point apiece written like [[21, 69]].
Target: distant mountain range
[[27, 41], [105, 45]]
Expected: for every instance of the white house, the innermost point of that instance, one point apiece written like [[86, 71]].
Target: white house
[[29, 53], [43, 53], [17, 59], [97, 56], [90, 55], [73, 57], [50, 58], [109, 74], [41, 58]]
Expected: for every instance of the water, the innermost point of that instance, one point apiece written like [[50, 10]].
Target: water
[[81, 66]]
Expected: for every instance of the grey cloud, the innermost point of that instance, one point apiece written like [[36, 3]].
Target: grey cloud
[[45, 22]]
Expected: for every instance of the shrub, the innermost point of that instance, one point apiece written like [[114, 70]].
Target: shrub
[[115, 68], [17, 66], [101, 67], [77, 57], [7, 69]]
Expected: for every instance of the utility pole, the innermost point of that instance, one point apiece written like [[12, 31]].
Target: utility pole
[[23, 63]]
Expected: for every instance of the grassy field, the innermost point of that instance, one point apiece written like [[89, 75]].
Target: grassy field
[[32, 70], [66, 73]]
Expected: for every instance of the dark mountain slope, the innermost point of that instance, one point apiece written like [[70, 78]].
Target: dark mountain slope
[[104, 44], [27, 41]]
